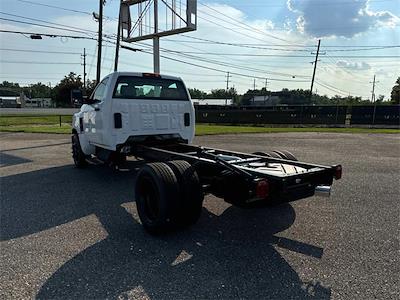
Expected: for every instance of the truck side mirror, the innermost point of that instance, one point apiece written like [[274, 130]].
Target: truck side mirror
[[85, 100]]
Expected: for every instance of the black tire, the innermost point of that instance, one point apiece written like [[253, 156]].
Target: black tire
[[191, 192], [288, 155], [268, 154], [77, 154], [157, 198], [260, 153], [280, 154]]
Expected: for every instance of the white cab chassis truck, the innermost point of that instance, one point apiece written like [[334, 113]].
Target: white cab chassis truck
[[151, 117]]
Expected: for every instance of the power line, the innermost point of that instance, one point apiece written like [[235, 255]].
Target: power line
[[333, 87], [52, 35], [352, 74], [223, 63], [219, 70], [230, 65], [364, 48], [37, 62], [57, 25], [56, 7], [266, 47], [38, 51], [329, 66], [235, 45], [316, 3], [210, 61], [281, 55], [41, 25], [208, 41], [62, 8], [246, 25], [229, 28], [47, 22], [330, 89]]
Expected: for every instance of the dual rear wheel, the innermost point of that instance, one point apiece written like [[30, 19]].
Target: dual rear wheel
[[168, 196]]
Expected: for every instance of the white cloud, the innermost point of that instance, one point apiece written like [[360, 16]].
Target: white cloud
[[361, 66], [327, 18]]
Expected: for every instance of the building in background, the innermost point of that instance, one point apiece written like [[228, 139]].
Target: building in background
[[11, 98], [267, 100], [38, 102], [212, 101]]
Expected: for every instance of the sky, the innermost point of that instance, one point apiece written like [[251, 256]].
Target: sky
[[258, 42]]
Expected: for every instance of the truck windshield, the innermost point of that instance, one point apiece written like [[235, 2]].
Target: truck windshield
[[133, 87]]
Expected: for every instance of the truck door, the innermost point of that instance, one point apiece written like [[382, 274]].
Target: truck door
[[94, 116]]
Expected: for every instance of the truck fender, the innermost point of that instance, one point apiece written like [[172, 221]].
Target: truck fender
[[77, 125]]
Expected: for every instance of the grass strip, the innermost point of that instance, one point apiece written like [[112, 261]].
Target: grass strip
[[203, 129]]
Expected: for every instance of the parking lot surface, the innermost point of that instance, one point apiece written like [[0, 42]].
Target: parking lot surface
[[70, 233]]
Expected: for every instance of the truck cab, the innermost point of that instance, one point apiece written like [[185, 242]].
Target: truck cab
[[128, 108]]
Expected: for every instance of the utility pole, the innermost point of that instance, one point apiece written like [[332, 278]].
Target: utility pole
[[373, 90], [315, 67], [254, 89], [118, 38], [265, 95], [373, 99], [84, 70], [156, 40], [227, 88], [100, 41]]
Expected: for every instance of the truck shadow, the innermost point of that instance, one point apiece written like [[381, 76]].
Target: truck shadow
[[11, 160], [231, 255]]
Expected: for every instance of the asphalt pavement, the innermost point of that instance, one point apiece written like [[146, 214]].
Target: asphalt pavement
[[71, 233]]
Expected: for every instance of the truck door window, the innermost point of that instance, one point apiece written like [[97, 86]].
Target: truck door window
[[134, 87], [98, 93]]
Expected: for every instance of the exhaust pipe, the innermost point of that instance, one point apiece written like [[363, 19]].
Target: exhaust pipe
[[323, 190]]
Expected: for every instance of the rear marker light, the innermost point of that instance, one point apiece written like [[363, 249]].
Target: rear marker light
[[262, 189], [151, 75], [186, 119], [338, 172]]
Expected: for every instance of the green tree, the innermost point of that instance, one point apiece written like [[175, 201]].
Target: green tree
[[197, 94], [90, 86], [245, 99], [10, 88], [218, 94], [37, 90], [7, 84], [62, 92], [395, 95], [380, 99], [233, 94]]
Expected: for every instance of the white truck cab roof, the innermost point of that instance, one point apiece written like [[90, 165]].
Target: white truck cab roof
[[144, 74]]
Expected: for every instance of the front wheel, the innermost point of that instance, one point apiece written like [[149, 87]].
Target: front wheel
[[77, 154]]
